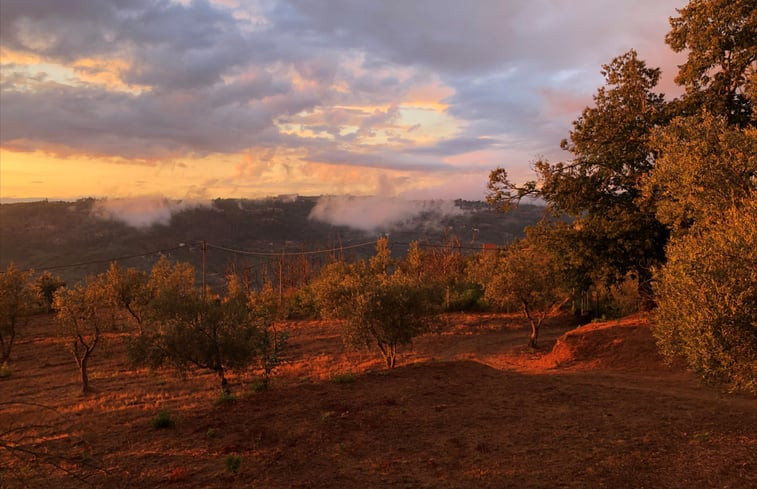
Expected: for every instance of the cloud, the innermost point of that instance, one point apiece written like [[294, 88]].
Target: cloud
[[381, 213], [433, 86], [143, 212]]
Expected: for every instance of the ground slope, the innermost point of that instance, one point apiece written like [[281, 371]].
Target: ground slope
[[468, 407]]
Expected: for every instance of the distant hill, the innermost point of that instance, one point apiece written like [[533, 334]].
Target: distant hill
[[54, 235]]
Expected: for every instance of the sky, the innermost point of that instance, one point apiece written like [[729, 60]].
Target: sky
[[203, 99]]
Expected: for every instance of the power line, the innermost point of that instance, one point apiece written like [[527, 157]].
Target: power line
[[430, 245], [246, 252], [107, 260], [289, 253]]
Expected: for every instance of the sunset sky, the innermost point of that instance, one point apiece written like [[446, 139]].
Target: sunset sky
[[237, 98]]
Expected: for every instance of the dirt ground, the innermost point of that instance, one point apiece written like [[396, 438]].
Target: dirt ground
[[468, 406]]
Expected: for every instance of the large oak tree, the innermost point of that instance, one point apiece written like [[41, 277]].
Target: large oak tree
[[599, 185]]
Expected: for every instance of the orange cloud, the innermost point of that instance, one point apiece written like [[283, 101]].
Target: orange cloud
[[429, 96], [107, 72]]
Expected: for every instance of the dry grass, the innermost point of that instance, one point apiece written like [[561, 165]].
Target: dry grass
[[469, 406]]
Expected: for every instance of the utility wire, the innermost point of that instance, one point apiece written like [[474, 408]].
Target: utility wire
[[107, 260], [247, 252], [289, 253], [430, 245]]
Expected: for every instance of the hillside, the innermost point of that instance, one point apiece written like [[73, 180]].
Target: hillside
[[41, 235], [468, 406]]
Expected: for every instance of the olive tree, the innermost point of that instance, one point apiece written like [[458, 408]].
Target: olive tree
[[379, 310], [527, 277], [84, 313], [17, 303], [186, 329], [705, 188]]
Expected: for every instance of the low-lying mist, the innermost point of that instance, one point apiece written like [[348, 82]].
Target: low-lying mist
[[143, 212], [378, 213]]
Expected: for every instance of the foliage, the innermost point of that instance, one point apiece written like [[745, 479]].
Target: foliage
[[599, 186], [705, 167], [527, 276], [705, 187], [707, 295], [46, 284], [129, 290], [344, 378], [84, 313], [186, 329], [163, 420], [232, 463], [380, 309], [441, 271], [17, 304], [720, 69]]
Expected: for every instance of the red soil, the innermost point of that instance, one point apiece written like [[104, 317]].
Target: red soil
[[469, 406]]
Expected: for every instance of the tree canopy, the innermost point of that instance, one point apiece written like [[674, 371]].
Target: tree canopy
[[720, 72], [599, 186]]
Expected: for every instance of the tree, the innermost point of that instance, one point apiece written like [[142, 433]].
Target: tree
[[17, 303], [704, 186], [705, 167], [46, 284], [599, 187], [379, 310], [529, 277], [129, 290], [721, 66], [707, 296], [84, 313], [186, 329]]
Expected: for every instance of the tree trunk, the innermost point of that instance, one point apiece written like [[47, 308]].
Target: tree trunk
[[534, 326], [534, 334], [83, 374], [644, 289], [225, 389], [7, 347]]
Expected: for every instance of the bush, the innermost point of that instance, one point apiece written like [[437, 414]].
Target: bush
[[344, 378], [465, 297], [301, 304], [232, 464], [163, 420], [707, 300]]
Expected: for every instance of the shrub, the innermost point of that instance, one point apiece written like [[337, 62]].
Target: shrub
[[163, 420], [344, 378], [465, 297], [707, 300], [233, 464]]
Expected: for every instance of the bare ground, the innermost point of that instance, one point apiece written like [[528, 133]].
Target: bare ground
[[469, 406]]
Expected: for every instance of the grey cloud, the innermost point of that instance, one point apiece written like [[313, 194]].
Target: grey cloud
[[450, 34], [386, 159], [134, 126], [498, 57], [455, 146]]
